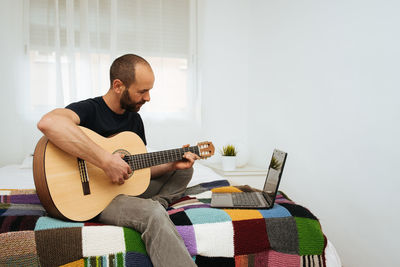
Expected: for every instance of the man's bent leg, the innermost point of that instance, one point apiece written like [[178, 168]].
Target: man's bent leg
[[168, 187], [163, 242]]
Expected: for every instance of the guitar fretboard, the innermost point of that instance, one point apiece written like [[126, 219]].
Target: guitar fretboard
[[146, 160]]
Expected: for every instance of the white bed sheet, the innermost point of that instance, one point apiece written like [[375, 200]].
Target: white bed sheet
[[203, 174], [21, 177], [16, 177]]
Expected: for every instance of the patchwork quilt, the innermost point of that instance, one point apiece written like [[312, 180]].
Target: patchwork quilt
[[286, 235]]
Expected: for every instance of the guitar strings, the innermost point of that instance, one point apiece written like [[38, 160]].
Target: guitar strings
[[141, 161]]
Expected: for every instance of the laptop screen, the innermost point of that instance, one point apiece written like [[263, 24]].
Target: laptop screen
[[274, 174]]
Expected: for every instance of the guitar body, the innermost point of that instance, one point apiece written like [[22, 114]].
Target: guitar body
[[58, 177]]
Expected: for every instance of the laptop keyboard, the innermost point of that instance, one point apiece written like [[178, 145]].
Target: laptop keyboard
[[245, 199]]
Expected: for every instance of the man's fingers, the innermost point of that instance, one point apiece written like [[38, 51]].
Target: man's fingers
[[191, 156], [128, 169], [118, 181], [128, 173], [191, 160]]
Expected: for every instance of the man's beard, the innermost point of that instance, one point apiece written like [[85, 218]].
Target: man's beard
[[128, 104]]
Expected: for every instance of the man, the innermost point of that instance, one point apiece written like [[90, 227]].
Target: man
[[131, 79]]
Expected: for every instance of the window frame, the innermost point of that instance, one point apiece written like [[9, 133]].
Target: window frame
[[192, 112]]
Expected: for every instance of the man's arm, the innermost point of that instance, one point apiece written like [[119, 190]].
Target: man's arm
[[61, 127]]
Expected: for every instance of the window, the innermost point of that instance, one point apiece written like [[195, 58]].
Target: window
[[71, 45]]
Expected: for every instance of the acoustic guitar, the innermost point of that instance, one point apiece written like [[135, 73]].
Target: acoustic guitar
[[70, 188]]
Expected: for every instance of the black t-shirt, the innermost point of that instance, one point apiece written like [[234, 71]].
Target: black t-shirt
[[97, 116]]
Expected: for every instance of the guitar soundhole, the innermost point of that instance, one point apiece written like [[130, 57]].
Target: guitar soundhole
[[127, 158]]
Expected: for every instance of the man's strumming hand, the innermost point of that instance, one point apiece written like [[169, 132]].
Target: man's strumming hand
[[117, 169]]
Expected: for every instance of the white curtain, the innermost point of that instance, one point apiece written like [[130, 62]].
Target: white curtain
[[71, 44]]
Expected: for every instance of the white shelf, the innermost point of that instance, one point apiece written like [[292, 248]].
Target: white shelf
[[247, 170]]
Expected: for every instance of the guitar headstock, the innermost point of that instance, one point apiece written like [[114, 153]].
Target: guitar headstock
[[206, 149]]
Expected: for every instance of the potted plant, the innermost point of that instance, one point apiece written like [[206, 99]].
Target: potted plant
[[228, 153]]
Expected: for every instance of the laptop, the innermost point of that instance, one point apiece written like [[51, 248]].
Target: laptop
[[255, 200]]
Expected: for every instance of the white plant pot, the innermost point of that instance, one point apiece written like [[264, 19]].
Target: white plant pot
[[228, 163]]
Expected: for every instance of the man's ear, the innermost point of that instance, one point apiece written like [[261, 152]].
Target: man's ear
[[118, 86]]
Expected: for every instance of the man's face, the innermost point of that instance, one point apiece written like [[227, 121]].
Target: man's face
[[138, 93]]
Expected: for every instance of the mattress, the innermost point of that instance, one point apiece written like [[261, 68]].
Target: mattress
[[19, 176]]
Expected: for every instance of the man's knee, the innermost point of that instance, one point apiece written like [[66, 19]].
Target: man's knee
[[190, 171], [150, 210], [156, 217], [186, 173], [132, 212]]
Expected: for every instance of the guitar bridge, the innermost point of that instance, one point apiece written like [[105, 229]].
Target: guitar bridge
[[84, 176]]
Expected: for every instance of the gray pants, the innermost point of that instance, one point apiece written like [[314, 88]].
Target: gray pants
[[147, 215]]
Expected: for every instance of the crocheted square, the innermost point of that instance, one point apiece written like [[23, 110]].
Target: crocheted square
[[214, 239], [185, 198], [133, 241], [188, 236], [196, 206], [204, 195], [59, 246], [17, 244], [242, 261], [24, 199], [17, 223], [205, 200], [241, 214], [45, 223], [190, 204], [282, 234], [136, 259], [185, 203], [226, 189], [277, 211], [250, 236], [298, 211], [78, 263], [102, 240], [107, 260], [207, 215], [4, 207], [23, 210], [277, 259], [173, 211], [203, 261], [214, 184], [180, 218], [311, 238], [20, 260], [312, 260]]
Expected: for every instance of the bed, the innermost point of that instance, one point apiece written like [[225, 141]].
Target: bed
[[287, 235]]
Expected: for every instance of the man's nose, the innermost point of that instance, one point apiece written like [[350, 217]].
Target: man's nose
[[147, 97]]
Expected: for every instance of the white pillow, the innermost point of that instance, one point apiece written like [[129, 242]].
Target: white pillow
[[203, 174], [27, 162]]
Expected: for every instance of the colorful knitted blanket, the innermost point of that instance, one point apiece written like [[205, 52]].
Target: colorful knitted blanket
[[286, 235]]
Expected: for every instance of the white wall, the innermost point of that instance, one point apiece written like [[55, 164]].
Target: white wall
[[223, 70], [324, 86]]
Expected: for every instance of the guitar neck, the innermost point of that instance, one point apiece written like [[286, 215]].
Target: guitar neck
[[146, 160]]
